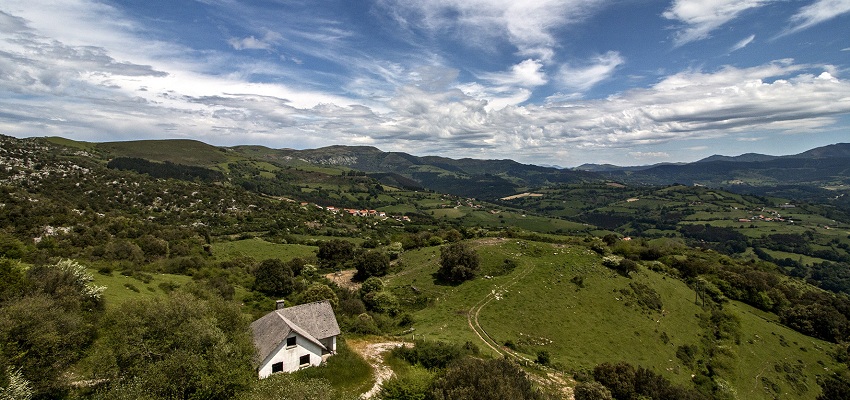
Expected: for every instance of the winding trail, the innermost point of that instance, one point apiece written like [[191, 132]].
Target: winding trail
[[373, 354], [475, 310], [561, 383]]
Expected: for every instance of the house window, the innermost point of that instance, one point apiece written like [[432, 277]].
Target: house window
[[290, 341], [277, 367], [304, 360]]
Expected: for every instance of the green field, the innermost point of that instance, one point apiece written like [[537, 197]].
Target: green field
[[540, 308], [260, 249], [120, 288]]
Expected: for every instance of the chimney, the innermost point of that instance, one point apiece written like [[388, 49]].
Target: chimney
[[279, 304]]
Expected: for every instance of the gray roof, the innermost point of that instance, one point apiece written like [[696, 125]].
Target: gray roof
[[314, 321]]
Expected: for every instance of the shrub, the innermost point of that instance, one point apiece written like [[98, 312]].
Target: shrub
[[382, 302], [180, 346], [592, 391], [543, 358], [472, 378], [274, 278], [433, 354], [371, 263], [458, 263], [412, 386], [288, 387]]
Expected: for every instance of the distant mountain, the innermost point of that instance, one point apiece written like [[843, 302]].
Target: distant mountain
[[813, 171], [748, 157], [485, 179], [838, 150], [614, 168], [820, 171]]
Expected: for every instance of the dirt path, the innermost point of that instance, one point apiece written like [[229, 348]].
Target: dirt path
[[557, 381], [475, 325], [343, 279], [373, 354]]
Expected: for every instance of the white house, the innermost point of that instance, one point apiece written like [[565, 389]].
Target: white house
[[291, 338]]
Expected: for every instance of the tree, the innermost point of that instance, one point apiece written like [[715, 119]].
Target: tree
[[592, 391], [319, 292], [41, 339], [274, 278], [834, 387], [382, 302], [618, 378], [473, 378], [371, 263], [334, 253], [180, 347], [373, 284], [458, 263], [12, 282]]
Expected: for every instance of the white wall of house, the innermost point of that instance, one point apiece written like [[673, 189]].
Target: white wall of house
[[290, 356]]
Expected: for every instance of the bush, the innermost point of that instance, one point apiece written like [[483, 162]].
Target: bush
[[543, 358], [412, 386], [371, 263], [382, 302], [433, 354], [592, 391], [476, 379], [458, 263], [274, 278], [288, 387], [372, 284], [180, 346]]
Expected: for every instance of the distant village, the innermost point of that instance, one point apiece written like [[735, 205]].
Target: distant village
[[360, 213], [365, 213], [772, 216]]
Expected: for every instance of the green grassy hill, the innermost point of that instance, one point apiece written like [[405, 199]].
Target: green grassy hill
[[560, 299], [177, 151]]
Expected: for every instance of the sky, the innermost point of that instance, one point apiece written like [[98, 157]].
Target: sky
[[546, 82]]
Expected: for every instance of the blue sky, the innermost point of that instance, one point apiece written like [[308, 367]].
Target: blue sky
[[548, 82]]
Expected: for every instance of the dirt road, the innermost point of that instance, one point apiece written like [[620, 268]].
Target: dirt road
[[373, 353]]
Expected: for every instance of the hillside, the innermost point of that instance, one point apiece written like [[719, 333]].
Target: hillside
[[562, 300], [484, 179], [572, 277]]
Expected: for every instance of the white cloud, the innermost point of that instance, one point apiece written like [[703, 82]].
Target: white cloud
[[583, 77], [528, 25], [507, 88], [817, 12], [743, 43], [528, 73], [700, 17], [248, 43], [138, 88], [650, 155], [252, 43]]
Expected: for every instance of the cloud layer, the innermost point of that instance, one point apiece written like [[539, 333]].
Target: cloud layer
[[114, 78]]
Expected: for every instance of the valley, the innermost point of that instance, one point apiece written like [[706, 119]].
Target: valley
[[711, 291]]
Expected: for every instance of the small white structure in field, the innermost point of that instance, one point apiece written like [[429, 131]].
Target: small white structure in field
[[291, 338]]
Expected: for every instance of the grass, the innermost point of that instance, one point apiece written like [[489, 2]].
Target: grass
[[582, 326], [178, 151], [346, 371], [120, 288], [260, 249]]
